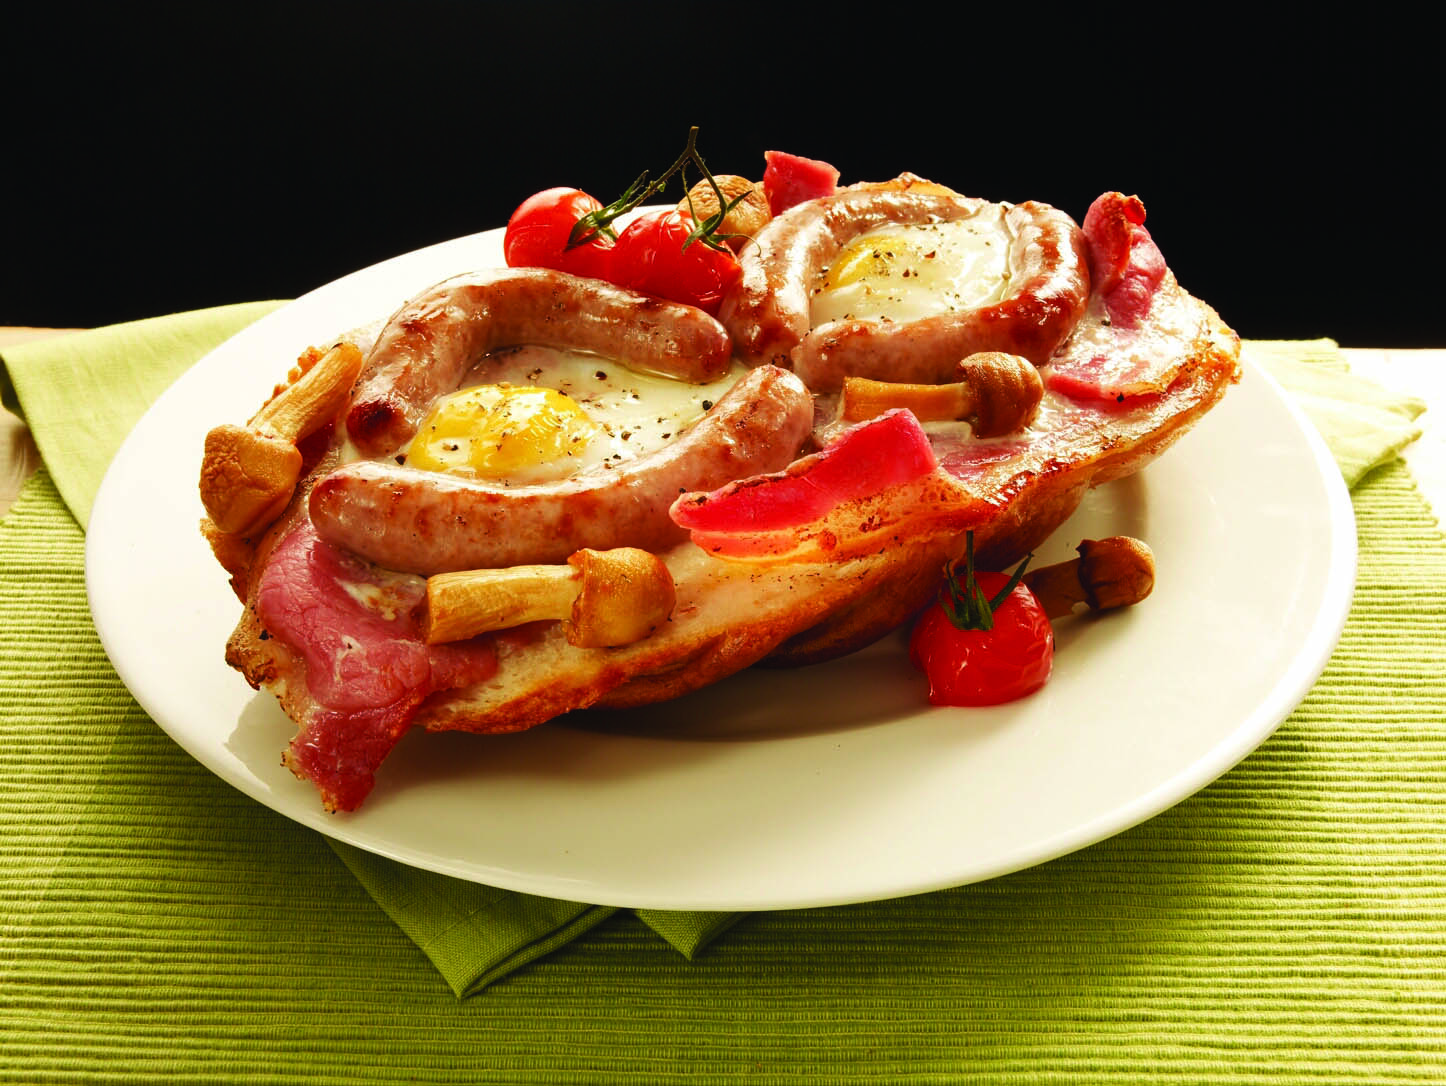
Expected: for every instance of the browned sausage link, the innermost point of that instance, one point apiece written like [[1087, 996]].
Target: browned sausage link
[[1050, 277], [428, 522], [431, 342], [768, 312]]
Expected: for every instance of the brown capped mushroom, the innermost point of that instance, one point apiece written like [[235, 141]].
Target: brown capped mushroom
[[603, 598], [995, 392], [1114, 572], [748, 216], [249, 473]]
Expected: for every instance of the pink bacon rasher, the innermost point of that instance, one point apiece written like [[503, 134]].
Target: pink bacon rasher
[[876, 481], [1114, 355]]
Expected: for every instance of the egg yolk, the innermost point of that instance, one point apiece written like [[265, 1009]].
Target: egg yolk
[[873, 257], [494, 430]]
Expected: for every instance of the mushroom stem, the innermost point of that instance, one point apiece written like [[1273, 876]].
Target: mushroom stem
[[1114, 572], [603, 598], [313, 399], [248, 473], [996, 393]]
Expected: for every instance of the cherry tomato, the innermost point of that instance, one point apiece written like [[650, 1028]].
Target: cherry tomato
[[539, 229], [650, 257], [985, 667]]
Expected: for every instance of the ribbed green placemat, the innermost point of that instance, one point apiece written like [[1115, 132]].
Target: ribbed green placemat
[[1287, 924]]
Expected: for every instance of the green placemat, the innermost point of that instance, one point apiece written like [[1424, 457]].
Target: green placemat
[[1286, 924]]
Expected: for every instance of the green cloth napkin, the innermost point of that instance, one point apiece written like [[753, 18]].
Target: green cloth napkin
[[1364, 424], [82, 393]]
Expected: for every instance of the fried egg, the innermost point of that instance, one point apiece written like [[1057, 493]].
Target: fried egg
[[538, 415], [908, 272]]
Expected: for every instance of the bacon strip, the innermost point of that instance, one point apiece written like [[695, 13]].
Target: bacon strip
[[1123, 349], [879, 453], [1126, 266], [789, 180], [365, 664], [827, 506]]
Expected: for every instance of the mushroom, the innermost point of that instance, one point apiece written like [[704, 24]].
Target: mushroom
[[248, 473], [1114, 572], [604, 598], [995, 392], [748, 216]]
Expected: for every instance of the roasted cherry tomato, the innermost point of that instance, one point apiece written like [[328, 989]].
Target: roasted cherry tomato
[[973, 666], [538, 233], [650, 257]]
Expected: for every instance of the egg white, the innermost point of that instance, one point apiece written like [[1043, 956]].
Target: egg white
[[635, 413], [909, 272]]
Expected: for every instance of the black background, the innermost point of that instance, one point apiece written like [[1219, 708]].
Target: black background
[[163, 159]]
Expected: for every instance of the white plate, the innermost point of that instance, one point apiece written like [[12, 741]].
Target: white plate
[[774, 789]]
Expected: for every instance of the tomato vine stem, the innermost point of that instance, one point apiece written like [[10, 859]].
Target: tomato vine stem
[[964, 602], [641, 190]]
